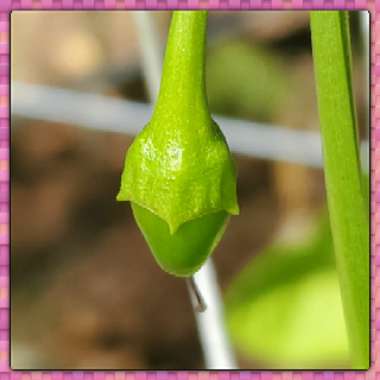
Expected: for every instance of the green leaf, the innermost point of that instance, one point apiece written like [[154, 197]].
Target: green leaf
[[348, 208], [284, 309], [246, 81]]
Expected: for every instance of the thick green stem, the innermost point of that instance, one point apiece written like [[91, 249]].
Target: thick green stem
[[347, 207], [183, 79]]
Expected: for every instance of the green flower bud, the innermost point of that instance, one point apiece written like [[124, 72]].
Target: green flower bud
[[178, 173]]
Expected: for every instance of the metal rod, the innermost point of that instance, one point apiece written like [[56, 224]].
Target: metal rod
[[197, 299], [150, 51], [107, 114], [213, 334]]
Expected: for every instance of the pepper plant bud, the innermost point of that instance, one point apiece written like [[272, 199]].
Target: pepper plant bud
[[179, 175]]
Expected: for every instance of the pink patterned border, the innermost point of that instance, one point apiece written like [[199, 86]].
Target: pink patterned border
[[6, 6]]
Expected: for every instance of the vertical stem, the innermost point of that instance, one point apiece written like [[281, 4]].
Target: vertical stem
[[184, 64], [347, 207], [214, 340]]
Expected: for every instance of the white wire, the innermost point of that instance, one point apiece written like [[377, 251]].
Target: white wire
[[98, 112], [151, 51], [102, 113], [211, 324]]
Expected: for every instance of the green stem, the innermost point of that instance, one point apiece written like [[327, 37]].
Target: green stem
[[183, 79], [347, 207]]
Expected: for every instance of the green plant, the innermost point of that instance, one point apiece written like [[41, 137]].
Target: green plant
[[180, 179], [273, 303], [284, 308], [348, 208], [178, 173], [246, 80]]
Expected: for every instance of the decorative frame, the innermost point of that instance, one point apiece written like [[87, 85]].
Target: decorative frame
[[7, 6]]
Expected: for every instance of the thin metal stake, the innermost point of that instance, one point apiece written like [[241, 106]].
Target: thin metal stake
[[197, 299]]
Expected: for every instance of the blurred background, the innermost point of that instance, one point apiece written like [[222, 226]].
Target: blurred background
[[85, 290]]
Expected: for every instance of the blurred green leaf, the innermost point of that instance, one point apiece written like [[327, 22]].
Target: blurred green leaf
[[285, 311], [245, 81]]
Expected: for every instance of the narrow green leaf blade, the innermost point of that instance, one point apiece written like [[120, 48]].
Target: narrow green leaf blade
[[348, 209]]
